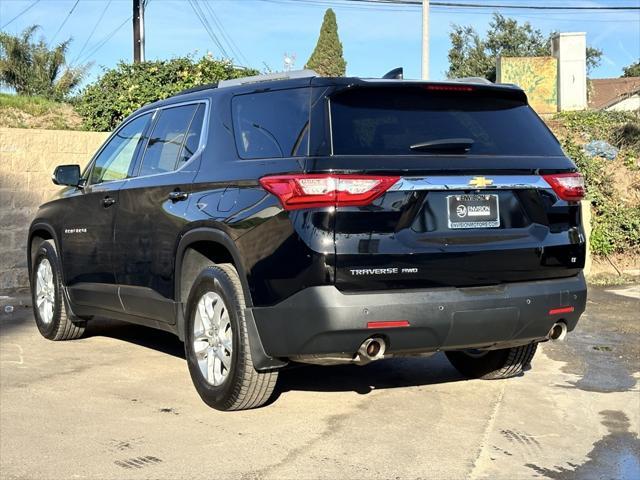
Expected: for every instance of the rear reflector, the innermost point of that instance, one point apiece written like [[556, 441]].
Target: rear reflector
[[568, 186], [558, 311], [324, 190], [388, 324]]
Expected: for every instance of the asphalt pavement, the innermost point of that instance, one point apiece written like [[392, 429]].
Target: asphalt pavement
[[119, 403]]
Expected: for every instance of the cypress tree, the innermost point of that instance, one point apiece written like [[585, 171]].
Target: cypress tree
[[326, 58]]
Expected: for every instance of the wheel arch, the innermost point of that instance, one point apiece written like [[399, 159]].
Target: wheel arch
[[39, 232], [202, 246]]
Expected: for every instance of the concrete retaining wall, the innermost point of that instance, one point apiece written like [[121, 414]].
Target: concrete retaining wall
[[27, 160]]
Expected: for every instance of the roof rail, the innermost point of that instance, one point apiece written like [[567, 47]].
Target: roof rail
[[267, 77], [482, 80], [198, 88]]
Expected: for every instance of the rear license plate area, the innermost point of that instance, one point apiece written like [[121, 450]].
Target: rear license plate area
[[473, 211]]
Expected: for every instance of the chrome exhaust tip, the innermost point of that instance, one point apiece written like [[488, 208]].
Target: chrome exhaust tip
[[558, 331], [372, 349]]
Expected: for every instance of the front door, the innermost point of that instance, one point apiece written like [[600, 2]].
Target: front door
[[87, 231]]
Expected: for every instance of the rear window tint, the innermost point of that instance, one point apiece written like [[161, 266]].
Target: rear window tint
[[386, 121], [272, 124], [167, 139], [192, 141]]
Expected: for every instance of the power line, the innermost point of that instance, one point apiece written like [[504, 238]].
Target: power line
[[207, 26], [230, 42], [63, 22], [505, 6], [411, 5], [108, 37], [92, 32], [20, 14]]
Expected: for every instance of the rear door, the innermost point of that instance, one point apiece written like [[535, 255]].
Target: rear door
[[470, 205], [151, 207]]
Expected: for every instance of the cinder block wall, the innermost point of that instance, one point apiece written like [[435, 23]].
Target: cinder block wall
[[27, 160]]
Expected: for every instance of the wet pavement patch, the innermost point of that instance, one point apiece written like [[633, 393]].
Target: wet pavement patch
[[603, 349], [617, 455]]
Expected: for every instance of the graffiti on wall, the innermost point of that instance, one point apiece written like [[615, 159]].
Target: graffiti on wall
[[537, 76]]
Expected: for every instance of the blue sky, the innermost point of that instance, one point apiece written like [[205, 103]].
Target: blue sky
[[375, 39]]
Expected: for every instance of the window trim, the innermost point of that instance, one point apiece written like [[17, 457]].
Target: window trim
[[139, 156], [201, 144]]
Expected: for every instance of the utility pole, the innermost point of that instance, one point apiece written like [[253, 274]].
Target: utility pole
[[425, 39], [138, 31]]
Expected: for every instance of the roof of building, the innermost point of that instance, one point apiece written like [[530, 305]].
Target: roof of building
[[605, 92]]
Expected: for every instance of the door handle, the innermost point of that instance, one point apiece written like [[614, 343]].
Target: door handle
[[178, 196], [108, 201]]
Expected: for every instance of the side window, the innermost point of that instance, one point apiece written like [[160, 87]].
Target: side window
[[192, 141], [167, 139], [115, 158], [271, 124]]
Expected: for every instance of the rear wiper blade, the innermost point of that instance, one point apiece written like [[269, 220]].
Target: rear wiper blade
[[445, 145]]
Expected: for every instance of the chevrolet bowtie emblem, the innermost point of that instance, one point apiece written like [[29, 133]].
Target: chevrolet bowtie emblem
[[480, 181]]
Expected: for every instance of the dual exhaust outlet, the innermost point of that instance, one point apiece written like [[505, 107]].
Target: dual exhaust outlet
[[373, 348]]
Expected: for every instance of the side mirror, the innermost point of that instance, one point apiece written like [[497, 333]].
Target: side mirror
[[67, 175]]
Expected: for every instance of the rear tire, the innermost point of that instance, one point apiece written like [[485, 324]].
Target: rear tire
[[53, 316], [493, 364], [216, 332]]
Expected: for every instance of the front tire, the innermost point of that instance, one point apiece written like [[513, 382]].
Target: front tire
[[217, 343], [53, 316], [493, 364]]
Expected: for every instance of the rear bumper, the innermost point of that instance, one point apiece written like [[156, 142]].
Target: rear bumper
[[324, 320]]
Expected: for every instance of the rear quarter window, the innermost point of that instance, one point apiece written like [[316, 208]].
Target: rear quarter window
[[271, 124], [388, 121]]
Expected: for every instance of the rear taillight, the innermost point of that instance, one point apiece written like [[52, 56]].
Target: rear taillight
[[323, 190], [568, 186]]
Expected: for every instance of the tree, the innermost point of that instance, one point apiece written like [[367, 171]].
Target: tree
[[632, 70], [121, 90], [326, 58], [473, 56], [31, 68]]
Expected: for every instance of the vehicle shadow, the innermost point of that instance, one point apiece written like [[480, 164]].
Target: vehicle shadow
[[392, 373], [142, 336]]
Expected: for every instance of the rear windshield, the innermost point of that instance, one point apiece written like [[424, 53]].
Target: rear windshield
[[388, 121]]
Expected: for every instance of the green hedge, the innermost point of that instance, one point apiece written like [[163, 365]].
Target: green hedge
[[616, 222], [121, 90]]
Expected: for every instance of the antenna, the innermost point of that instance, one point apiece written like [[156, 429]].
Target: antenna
[[289, 61], [396, 74]]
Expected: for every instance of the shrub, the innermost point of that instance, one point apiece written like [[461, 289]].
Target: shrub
[[120, 91], [616, 215]]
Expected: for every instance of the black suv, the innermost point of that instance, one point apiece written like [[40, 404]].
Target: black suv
[[271, 220]]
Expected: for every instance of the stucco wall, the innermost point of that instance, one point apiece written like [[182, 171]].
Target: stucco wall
[[570, 48], [27, 160]]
